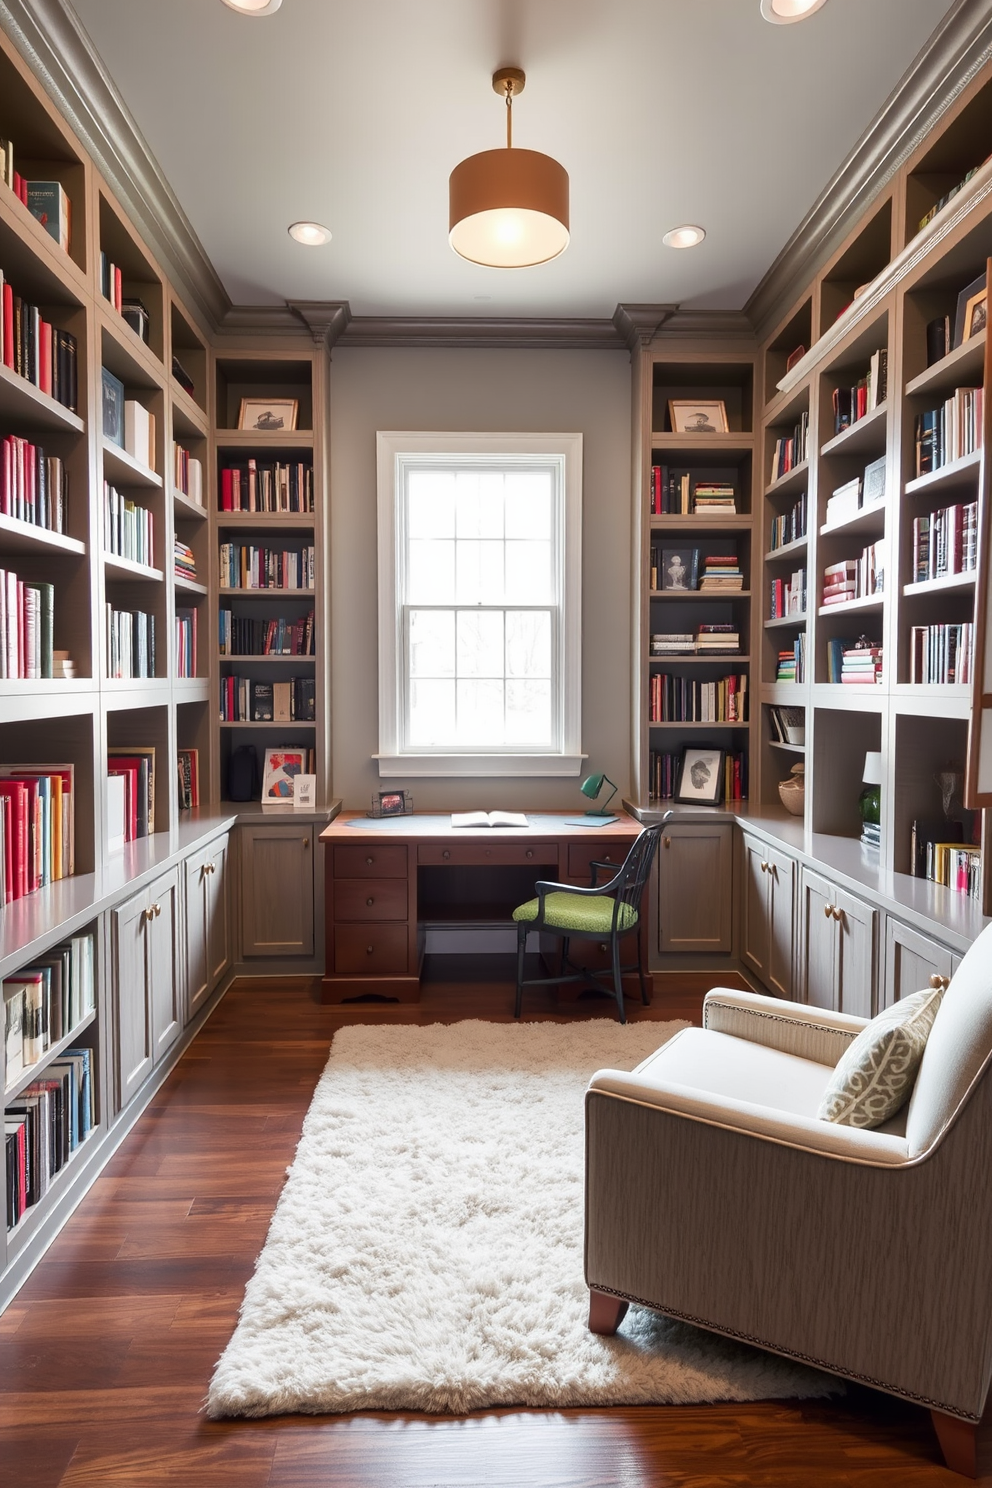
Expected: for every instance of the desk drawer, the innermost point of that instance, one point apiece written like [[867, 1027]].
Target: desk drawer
[[581, 854], [370, 899], [369, 862], [478, 855], [375, 951]]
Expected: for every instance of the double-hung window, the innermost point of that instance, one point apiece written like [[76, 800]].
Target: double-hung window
[[479, 605]]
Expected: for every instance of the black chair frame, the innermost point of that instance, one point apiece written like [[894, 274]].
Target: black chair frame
[[626, 888]]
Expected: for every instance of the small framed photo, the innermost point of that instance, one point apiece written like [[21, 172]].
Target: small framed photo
[[700, 776], [113, 408], [268, 415], [698, 416], [679, 569], [282, 767], [392, 803], [305, 793], [973, 295]]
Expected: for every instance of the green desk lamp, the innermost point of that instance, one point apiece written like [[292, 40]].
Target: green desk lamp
[[591, 787]]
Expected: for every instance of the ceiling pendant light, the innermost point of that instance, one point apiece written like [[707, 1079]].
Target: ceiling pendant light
[[508, 209], [784, 12]]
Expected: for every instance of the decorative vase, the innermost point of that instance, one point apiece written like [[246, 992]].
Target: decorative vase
[[792, 792]]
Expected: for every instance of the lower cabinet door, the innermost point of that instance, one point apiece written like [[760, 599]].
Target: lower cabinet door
[[755, 906], [856, 955], [819, 979], [277, 890], [208, 950], [781, 923], [695, 888], [911, 959], [132, 1010], [839, 940], [165, 961]]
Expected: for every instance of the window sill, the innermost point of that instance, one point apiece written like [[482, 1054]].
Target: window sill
[[492, 765]]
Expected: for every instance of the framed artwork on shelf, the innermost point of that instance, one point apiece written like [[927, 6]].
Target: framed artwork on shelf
[[269, 415], [698, 416], [700, 776], [679, 569], [971, 299], [113, 408], [282, 766]]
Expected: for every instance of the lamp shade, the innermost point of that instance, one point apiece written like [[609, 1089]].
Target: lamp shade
[[592, 785], [873, 767], [508, 208]]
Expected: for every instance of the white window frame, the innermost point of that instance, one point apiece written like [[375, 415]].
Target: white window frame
[[397, 452]]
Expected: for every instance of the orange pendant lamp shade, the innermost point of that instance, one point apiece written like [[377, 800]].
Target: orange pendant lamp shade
[[508, 209]]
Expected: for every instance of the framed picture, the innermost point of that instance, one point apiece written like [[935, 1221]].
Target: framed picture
[[269, 415], [968, 299], [700, 776], [279, 775], [794, 357], [392, 803], [698, 416], [679, 569], [305, 793], [975, 314], [113, 408]]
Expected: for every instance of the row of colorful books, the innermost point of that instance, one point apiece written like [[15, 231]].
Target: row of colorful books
[[854, 578], [130, 643], [37, 827], [949, 432], [679, 492], [267, 488], [27, 627], [187, 474], [129, 527], [676, 699], [940, 654], [44, 1125], [943, 852], [241, 636], [855, 662], [247, 700], [852, 403], [945, 542], [664, 768], [35, 349], [186, 643], [247, 566], [34, 487], [787, 596], [790, 449], [792, 661], [131, 792], [46, 1002], [790, 526]]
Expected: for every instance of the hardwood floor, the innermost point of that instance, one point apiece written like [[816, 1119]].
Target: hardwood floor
[[106, 1353]]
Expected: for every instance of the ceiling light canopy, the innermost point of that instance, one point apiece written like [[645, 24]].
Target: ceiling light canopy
[[784, 12], [684, 237], [508, 209], [253, 7], [311, 234]]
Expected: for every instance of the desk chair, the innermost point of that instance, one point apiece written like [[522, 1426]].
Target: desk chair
[[606, 911]]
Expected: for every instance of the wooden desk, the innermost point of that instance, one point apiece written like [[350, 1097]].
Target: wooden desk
[[388, 880]]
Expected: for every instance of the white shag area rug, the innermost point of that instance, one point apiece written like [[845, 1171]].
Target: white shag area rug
[[426, 1252]]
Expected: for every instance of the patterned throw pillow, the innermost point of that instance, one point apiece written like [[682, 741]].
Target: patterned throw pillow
[[876, 1074]]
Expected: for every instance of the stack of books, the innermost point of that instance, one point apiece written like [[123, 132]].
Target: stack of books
[[791, 526], [871, 834], [840, 582], [790, 450], [949, 432], [713, 496], [945, 542], [792, 663], [721, 572], [673, 643], [184, 561], [63, 665], [940, 654], [788, 596], [861, 664], [717, 636], [34, 487], [844, 503]]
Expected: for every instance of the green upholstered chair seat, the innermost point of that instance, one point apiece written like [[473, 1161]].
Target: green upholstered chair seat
[[578, 912]]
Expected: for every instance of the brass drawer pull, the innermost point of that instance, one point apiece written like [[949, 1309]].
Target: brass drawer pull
[[939, 982], [446, 854], [370, 901], [665, 842], [764, 867], [370, 861], [369, 950]]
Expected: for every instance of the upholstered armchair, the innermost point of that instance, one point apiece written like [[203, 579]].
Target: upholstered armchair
[[715, 1194]]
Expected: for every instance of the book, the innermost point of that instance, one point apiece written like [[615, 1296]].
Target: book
[[47, 200], [489, 819]]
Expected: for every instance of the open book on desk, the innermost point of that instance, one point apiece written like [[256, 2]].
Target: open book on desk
[[489, 819]]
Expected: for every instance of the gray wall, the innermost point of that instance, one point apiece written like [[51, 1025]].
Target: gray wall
[[508, 391]]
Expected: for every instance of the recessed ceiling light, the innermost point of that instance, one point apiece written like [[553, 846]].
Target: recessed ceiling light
[[253, 7], [684, 237], [310, 233], [783, 12]]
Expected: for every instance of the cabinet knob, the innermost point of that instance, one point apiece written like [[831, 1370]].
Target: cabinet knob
[[939, 981], [155, 911], [530, 852], [306, 843], [369, 950], [665, 842], [446, 854], [838, 914], [764, 867], [370, 861], [370, 901], [828, 911]]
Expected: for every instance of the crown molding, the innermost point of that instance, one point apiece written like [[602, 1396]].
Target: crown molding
[[637, 325], [482, 332], [51, 39], [706, 325], [958, 50]]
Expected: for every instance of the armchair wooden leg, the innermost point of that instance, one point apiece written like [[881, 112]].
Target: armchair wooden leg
[[606, 1313], [521, 948], [618, 980], [957, 1442]]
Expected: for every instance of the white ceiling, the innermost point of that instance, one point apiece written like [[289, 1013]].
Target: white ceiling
[[353, 114]]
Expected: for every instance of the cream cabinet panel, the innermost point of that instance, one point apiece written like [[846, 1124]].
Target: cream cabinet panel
[[911, 960], [695, 888], [768, 895], [148, 981], [839, 935], [208, 948]]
